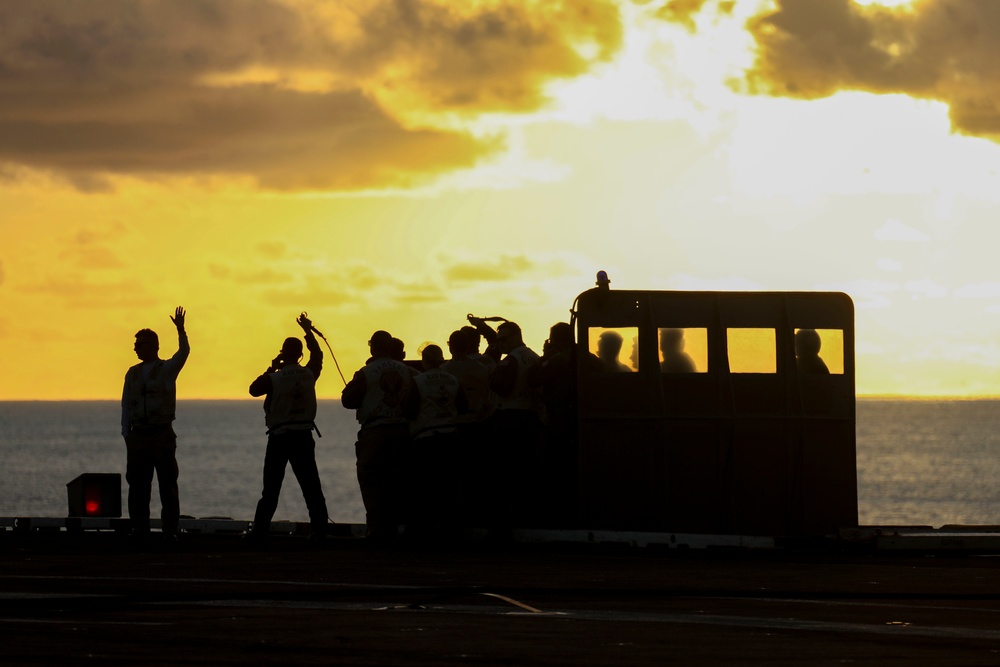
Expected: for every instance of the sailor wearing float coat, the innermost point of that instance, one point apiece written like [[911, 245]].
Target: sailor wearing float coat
[[149, 401], [290, 413], [378, 392]]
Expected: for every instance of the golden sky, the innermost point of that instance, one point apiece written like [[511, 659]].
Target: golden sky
[[396, 164]]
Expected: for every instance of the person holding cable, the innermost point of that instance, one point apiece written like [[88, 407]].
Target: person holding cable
[[290, 413]]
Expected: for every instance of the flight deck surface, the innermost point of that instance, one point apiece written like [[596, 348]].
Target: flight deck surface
[[95, 599]]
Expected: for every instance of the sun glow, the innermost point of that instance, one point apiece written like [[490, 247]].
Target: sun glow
[[907, 4]]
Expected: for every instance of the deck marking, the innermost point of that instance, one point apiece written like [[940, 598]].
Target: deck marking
[[513, 602], [891, 630]]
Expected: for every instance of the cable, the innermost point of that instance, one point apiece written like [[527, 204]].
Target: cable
[[320, 334]]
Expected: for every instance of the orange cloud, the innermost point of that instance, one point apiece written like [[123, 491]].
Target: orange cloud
[[933, 49], [295, 95]]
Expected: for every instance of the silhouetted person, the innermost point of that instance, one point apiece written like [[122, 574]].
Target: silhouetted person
[[634, 357], [472, 457], [557, 376], [399, 354], [675, 359], [149, 402], [517, 423], [807, 346], [398, 350], [289, 414], [479, 330], [472, 374], [378, 392], [433, 406], [609, 346]]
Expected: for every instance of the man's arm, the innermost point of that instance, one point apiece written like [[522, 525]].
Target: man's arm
[[126, 421], [176, 362], [354, 392], [262, 385], [315, 363]]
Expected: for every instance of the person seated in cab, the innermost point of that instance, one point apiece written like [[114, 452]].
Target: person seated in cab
[[675, 359], [609, 346], [807, 346]]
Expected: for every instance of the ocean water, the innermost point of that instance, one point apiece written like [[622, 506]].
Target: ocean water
[[919, 462]]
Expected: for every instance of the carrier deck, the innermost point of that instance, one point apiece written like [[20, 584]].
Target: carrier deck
[[80, 593]]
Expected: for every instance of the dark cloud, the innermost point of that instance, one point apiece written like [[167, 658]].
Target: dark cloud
[[293, 94], [944, 50]]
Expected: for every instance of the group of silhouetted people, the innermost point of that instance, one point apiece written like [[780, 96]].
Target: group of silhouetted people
[[453, 441], [456, 442]]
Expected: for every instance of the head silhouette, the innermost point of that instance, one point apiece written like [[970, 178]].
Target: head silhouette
[[561, 336], [508, 337], [381, 344], [609, 345], [431, 357], [671, 341], [398, 350], [474, 338], [460, 343], [807, 343], [291, 350], [147, 345]]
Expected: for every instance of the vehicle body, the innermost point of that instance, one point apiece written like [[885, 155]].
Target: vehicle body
[[748, 443]]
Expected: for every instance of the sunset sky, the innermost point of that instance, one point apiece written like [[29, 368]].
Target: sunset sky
[[397, 164]]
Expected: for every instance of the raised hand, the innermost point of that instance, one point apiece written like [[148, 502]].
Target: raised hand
[[178, 318], [304, 322]]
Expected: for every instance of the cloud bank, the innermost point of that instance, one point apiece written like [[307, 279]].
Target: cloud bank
[[294, 94], [943, 50]]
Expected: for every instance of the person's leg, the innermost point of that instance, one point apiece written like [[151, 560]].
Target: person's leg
[[165, 461], [139, 475], [275, 459], [303, 460], [377, 477]]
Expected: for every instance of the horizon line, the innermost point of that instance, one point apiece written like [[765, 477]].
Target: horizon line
[[877, 397]]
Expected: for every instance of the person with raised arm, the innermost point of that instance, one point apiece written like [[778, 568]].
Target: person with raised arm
[[289, 414], [149, 404]]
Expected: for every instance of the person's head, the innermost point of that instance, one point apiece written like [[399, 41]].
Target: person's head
[[398, 350], [474, 338], [560, 337], [431, 357], [807, 343], [459, 343], [508, 337], [147, 345], [671, 342], [291, 351], [609, 345], [380, 344], [634, 357]]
